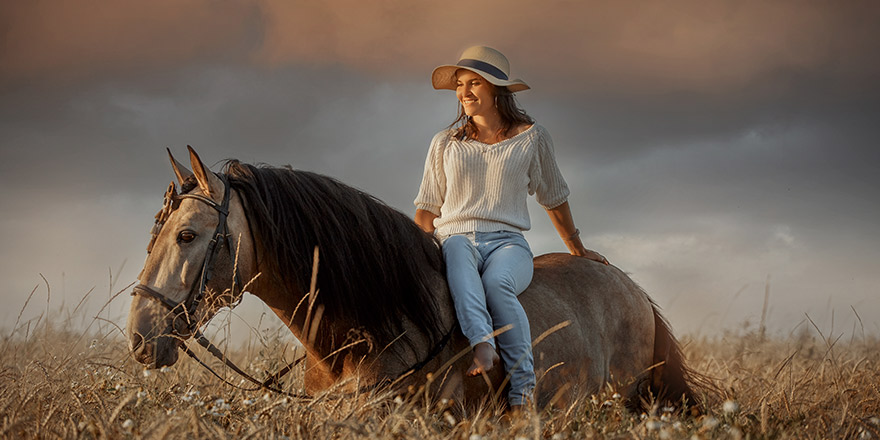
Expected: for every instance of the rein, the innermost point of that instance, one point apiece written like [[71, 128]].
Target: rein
[[197, 292], [271, 383]]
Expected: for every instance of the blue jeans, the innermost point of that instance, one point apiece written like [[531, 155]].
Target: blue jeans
[[486, 271]]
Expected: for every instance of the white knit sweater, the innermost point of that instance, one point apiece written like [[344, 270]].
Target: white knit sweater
[[474, 186]]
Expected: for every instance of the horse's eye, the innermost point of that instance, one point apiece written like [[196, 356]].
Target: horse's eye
[[186, 236]]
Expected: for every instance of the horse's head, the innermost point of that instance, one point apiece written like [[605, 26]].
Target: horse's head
[[191, 269]]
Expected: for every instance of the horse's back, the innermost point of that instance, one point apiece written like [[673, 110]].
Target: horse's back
[[610, 336]]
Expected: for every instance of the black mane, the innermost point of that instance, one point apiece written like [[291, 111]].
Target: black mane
[[375, 263]]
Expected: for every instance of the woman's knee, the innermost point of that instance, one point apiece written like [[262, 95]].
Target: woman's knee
[[500, 283], [510, 279]]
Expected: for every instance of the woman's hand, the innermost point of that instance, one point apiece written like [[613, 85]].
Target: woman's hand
[[577, 249]]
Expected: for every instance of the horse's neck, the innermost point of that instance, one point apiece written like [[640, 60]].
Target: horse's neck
[[280, 302], [385, 359]]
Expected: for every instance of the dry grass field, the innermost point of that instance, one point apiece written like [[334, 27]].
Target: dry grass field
[[64, 384]]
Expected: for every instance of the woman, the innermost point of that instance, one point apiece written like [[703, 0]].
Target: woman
[[478, 175]]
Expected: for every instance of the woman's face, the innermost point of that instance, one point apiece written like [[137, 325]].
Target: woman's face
[[476, 95]]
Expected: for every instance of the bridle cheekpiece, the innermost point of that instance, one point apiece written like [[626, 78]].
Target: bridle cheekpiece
[[188, 306]]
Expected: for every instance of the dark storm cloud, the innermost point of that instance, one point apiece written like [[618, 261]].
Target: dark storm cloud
[[708, 145]]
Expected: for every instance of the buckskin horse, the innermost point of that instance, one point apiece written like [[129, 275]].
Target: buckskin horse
[[378, 308]]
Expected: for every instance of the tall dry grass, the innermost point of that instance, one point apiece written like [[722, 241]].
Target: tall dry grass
[[60, 383]]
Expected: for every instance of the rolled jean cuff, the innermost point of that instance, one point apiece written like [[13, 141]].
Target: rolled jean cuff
[[488, 339]]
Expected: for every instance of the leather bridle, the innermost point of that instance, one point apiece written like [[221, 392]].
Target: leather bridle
[[188, 306]]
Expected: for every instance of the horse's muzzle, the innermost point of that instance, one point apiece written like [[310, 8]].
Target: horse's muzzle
[[150, 335], [160, 352]]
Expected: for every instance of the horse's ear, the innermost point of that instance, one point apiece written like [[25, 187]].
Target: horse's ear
[[181, 171], [211, 186]]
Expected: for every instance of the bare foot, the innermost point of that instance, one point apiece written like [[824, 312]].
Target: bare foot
[[485, 358]]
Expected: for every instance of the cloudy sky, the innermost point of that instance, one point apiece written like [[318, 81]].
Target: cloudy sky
[[713, 148]]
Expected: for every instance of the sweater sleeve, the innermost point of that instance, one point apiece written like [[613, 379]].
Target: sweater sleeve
[[545, 179], [432, 191]]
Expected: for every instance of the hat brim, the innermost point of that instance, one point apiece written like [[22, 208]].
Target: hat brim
[[443, 77]]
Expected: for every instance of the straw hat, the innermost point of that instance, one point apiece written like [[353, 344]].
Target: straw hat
[[484, 61]]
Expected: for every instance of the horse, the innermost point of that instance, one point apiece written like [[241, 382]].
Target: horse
[[374, 307]]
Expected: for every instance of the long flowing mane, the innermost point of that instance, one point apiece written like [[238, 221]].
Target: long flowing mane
[[375, 263]]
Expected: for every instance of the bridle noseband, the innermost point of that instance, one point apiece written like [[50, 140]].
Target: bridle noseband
[[188, 306]]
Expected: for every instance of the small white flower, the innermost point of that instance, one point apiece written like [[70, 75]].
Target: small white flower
[[128, 424], [267, 397], [607, 403], [141, 394], [170, 412], [398, 400], [248, 402], [220, 404], [449, 418], [710, 422], [616, 396], [665, 417], [119, 387], [147, 373], [730, 407], [165, 369], [653, 425]]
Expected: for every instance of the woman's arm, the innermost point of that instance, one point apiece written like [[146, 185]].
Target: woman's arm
[[425, 220], [561, 218]]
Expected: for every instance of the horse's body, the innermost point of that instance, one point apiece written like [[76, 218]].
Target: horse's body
[[382, 305]]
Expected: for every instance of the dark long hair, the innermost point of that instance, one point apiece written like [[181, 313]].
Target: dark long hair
[[375, 264], [512, 115]]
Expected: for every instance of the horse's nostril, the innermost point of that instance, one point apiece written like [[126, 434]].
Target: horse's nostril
[[137, 341]]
